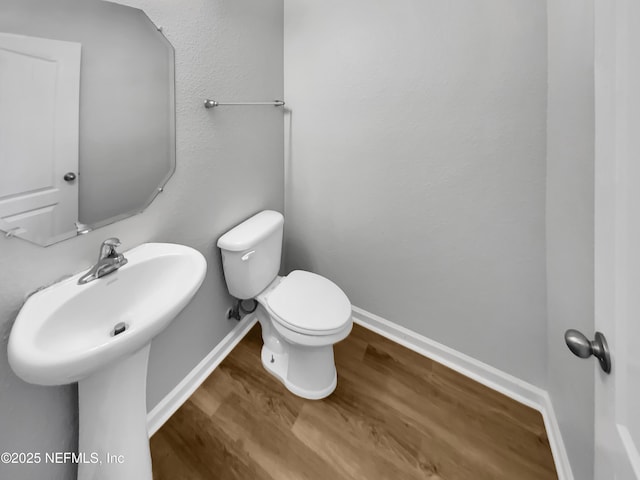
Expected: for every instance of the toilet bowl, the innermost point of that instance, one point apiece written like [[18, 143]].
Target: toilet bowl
[[302, 315], [300, 324]]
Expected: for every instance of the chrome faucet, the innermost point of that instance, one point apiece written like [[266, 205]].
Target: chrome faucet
[[108, 261]]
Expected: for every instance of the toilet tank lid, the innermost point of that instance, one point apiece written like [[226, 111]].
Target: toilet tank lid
[[250, 232]]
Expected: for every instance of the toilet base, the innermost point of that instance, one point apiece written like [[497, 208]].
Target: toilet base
[[308, 372]]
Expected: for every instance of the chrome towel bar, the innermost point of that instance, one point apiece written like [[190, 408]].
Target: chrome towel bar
[[213, 103]]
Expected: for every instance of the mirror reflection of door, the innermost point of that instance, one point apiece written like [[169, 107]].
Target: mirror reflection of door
[[39, 133], [126, 148]]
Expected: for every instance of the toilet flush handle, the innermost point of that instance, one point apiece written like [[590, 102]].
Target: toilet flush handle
[[247, 255]]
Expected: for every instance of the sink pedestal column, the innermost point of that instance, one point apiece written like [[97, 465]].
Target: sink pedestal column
[[114, 442]]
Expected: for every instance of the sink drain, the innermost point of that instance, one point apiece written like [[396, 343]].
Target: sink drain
[[118, 329]]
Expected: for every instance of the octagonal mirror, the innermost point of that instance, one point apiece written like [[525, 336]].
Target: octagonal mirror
[[87, 116]]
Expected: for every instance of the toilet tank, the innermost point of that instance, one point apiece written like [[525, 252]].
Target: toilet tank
[[251, 254]]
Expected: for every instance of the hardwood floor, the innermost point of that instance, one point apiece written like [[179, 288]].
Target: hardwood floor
[[395, 415]]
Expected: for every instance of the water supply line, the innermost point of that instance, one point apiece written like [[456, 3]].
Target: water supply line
[[238, 310]]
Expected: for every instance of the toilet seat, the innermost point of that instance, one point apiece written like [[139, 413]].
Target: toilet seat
[[309, 304]]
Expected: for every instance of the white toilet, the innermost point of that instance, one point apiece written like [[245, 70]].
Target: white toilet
[[302, 315]]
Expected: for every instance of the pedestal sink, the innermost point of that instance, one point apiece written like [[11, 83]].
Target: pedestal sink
[[99, 335]]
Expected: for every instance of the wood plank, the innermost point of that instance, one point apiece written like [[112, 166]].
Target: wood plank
[[394, 415]]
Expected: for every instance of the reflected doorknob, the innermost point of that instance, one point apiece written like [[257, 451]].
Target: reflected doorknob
[[69, 177], [582, 347]]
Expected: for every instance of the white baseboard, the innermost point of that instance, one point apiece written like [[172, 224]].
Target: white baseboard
[[498, 380], [558, 449], [180, 394]]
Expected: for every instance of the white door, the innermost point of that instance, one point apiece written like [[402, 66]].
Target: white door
[[617, 236], [39, 133]]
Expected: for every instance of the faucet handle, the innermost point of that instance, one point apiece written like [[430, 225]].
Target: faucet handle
[[112, 242], [108, 247]]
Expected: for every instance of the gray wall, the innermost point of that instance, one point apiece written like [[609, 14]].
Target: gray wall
[[229, 167], [570, 197], [416, 166]]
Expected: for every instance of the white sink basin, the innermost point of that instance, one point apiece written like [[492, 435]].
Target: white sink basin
[[65, 334]]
